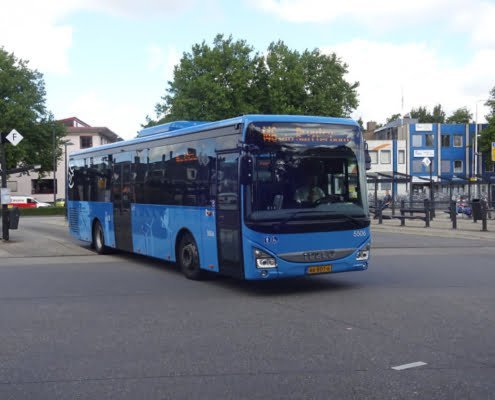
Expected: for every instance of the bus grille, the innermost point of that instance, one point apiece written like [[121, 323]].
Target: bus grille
[[74, 220]]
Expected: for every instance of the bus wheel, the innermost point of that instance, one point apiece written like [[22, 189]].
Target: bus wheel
[[188, 258], [99, 239]]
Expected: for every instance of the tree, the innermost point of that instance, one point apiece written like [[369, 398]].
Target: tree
[[230, 79], [361, 123], [460, 116], [212, 83], [421, 114], [393, 117], [438, 115], [487, 135], [22, 107], [424, 116], [308, 83]]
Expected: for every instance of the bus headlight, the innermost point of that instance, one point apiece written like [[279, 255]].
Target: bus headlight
[[364, 253], [264, 260]]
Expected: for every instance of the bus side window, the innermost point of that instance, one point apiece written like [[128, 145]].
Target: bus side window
[[227, 182]]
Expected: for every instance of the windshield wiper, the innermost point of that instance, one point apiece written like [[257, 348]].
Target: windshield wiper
[[294, 214], [357, 222]]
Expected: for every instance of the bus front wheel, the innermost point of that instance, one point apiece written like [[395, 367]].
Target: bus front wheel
[[188, 257], [99, 239]]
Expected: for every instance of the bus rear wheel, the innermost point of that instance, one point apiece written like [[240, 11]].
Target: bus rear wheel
[[99, 239], [188, 258]]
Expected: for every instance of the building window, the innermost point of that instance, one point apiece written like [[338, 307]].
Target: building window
[[374, 156], [42, 186], [445, 140], [458, 166], [385, 157], [445, 167], [429, 140], [457, 140], [12, 185], [86, 141], [417, 166], [417, 141], [402, 157]]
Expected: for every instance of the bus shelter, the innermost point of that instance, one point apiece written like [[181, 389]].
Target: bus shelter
[[483, 186], [394, 178]]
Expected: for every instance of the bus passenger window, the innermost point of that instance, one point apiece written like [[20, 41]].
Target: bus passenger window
[[227, 182]]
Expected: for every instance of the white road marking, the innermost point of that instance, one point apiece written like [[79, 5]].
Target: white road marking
[[411, 365]]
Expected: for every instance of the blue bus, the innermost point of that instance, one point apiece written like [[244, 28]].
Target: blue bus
[[253, 197]]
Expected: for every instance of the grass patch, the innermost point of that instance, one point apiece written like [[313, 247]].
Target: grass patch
[[42, 211]]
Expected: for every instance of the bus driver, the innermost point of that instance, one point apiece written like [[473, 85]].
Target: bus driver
[[309, 192]]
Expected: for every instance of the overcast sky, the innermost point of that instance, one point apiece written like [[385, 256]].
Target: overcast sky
[[107, 62]]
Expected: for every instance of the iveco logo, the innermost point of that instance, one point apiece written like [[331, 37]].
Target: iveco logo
[[319, 255]]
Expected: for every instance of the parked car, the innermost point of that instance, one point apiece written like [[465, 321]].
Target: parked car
[[26, 202]]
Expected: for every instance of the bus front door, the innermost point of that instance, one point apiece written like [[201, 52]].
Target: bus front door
[[228, 219], [122, 190]]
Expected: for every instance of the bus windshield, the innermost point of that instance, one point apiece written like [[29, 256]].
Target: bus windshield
[[307, 174]]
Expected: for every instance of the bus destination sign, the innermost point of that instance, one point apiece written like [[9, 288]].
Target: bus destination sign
[[300, 135]]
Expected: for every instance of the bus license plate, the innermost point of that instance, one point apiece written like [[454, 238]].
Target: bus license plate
[[320, 269]]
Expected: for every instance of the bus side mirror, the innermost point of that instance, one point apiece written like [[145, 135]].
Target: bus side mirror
[[367, 157], [246, 173]]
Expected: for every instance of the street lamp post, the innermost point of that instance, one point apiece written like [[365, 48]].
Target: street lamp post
[[5, 210], [475, 147], [54, 150]]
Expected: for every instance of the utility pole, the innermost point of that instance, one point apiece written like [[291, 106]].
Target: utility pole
[[432, 204], [5, 207], [14, 138], [54, 167]]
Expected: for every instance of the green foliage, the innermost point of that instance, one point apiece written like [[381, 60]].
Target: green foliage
[[22, 107], [438, 115], [212, 83], [361, 123], [460, 116], [42, 211], [393, 117], [421, 114], [230, 79], [487, 135], [424, 115]]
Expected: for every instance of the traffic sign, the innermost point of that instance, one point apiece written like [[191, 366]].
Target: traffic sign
[[426, 161], [14, 137]]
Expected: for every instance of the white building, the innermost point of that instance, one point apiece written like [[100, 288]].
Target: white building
[[80, 135], [387, 157]]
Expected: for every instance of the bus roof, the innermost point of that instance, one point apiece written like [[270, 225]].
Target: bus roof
[[175, 128]]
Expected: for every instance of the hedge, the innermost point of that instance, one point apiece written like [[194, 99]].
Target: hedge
[[42, 211]]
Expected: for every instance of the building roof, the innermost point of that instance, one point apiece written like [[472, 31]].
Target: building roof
[[105, 132], [396, 123], [73, 122], [76, 126]]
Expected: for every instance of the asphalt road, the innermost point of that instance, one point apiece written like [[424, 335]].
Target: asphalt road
[[126, 327]]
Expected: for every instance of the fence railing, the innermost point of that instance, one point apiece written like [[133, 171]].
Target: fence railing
[[480, 210]]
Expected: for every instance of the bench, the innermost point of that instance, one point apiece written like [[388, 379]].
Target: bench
[[403, 210], [403, 218]]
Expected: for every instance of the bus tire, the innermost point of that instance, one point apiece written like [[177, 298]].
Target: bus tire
[[98, 242], [188, 258]]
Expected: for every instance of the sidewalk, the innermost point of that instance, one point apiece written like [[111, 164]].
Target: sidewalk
[[42, 237], [441, 226]]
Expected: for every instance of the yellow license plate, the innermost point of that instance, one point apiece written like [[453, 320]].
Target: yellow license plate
[[320, 269]]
